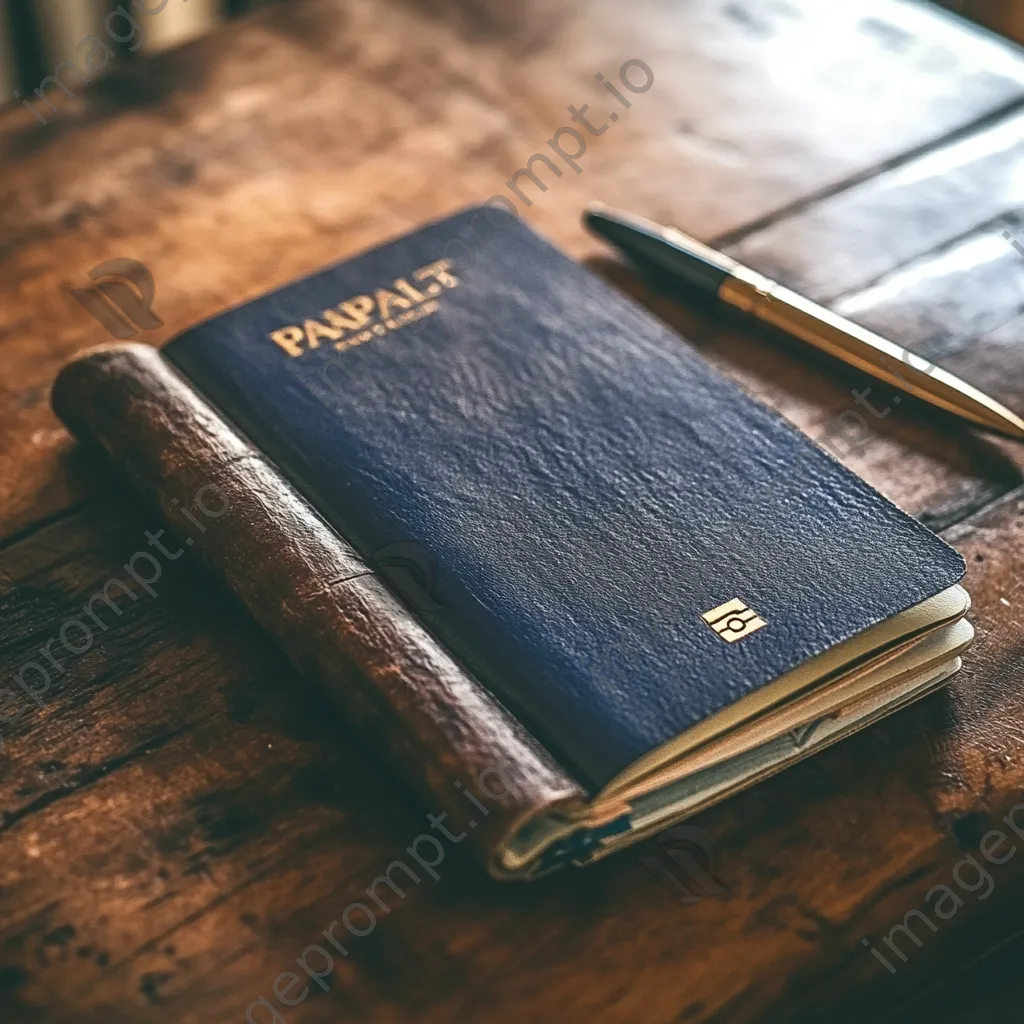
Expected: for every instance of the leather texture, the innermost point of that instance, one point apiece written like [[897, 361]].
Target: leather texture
[[337, 622], [585, 483]]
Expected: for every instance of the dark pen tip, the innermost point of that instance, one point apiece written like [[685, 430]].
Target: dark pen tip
[[595, 217], [600, 218], [651, 245], [620, 228]]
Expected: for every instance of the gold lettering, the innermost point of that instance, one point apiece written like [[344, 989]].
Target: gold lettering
[[402, 305], [441, 273], [403, 286], [316, 330], [289, 338], [343, 323], [411, 315], [438, 270], [385, 300], [359, 308]]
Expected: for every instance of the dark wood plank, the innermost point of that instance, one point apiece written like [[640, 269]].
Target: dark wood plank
[[987, 988], [851, 239], [946, 301]]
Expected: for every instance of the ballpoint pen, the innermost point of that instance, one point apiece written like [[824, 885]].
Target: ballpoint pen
[[694, 264]]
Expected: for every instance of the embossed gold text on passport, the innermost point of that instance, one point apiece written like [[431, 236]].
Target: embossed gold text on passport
[[733, 620], [362, 318]]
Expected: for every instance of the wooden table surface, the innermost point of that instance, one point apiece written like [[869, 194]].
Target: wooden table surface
[[183, 815]]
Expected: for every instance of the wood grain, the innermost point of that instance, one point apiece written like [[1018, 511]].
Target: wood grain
[[365, 119], [222, 819], [183, 815]]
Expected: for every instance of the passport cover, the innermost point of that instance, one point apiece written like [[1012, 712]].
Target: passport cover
[[585, 488]]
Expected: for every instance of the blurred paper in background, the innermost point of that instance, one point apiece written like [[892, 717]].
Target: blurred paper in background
[[180, 22]]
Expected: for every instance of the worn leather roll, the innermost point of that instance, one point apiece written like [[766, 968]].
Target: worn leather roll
[[336, 620]]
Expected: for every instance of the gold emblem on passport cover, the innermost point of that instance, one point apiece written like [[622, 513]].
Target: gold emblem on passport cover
[[733, 620]]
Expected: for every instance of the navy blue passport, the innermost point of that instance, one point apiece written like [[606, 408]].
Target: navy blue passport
[[667, 584]]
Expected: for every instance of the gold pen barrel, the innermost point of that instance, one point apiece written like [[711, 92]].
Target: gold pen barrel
[[879, 357]]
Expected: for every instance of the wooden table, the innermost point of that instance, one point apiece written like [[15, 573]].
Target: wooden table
[[184, 815]]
